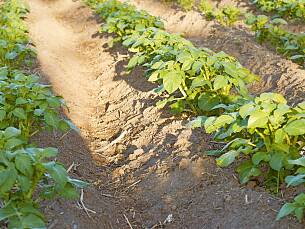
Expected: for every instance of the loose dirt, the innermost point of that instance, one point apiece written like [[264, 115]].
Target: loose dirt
[[155, 175]]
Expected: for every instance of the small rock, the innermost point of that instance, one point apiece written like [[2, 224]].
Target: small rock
[[136, 154]]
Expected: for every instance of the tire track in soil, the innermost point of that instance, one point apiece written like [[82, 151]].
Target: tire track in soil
[[157, 169]]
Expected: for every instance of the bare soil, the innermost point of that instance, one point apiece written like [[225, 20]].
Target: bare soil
[[155, 175]]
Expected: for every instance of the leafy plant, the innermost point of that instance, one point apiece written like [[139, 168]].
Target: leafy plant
[[15, 49], [289, 8], [27, 174], [203, 78], [28, 105], [295, 208], [186, 4], [123, 19], [226, 15], [23, 173], [267, 133], [289, 44]]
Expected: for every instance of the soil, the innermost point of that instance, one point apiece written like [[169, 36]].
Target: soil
[[146, 168]]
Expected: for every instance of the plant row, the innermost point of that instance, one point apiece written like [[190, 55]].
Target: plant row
[[28, 174], [270, 31], [226, 15], [265, 133], [294, 9], [291, 45]]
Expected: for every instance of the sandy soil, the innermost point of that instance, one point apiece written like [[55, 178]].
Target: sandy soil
[[155, 176]]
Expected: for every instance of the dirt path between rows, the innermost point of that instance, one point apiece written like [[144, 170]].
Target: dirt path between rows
[[155, 175]]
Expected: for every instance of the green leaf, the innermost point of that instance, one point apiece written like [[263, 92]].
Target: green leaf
[[21, 101], [257, 119], [287, 209], [23, 163], [2, 115], [8, 179], [133, 62], [295, 128], [246, 170], [19, 113], [187, 64], [11, 55], [260, 156], [38, 112], [295, 180], [279, 21], [299, 213], [51, 118], [33, 221], [162, 103], [48, 152], [220, 82], [300, 199], [154, 77], [7, 212], [300, 161], [11, 132], [279, 136], [213, 152], [25, 183], [54, 101], [302, 105], [13, 143], [197, 122], [276, 161], [71, 125], [177, 107], [268, 96], [207, 102], [227, 158], [78, 183], [172, 81], [69, 192], [58, 173], [295, 57], [221, 121], [246, 110], [199, 82]]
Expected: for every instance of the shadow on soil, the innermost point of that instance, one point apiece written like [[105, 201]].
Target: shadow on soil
[[177, 180]]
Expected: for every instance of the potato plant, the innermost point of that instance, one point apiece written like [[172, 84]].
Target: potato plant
[[27, 177], [265, 132], [28, 104], [226, 15], [186, 4], [203, 78], [28, 174], [289, 44], [15, 50], [294, 9], [196, 79], [123, 19]]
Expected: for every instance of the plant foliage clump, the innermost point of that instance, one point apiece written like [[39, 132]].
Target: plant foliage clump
[[264, 131], [289, 44], [28, 174], [294, 9]]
